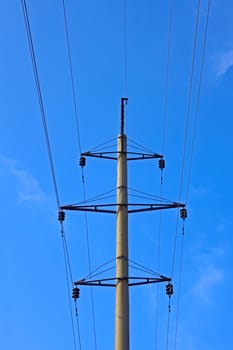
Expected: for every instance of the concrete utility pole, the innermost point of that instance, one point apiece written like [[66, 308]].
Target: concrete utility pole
[[122, 288], [122, 208]]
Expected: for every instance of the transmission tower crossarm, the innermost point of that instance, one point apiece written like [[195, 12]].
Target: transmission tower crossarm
[[112, 208], [114, 155], [112, 282]]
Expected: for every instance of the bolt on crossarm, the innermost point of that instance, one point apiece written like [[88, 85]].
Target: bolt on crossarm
[[122, 288]]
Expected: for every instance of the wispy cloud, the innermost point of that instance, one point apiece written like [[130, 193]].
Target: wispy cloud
[[209, 277], [223, 62], [200, 191], [223, 225], [209, 273], [29, 189]]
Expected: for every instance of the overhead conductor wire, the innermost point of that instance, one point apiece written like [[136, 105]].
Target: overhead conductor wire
[[164, 119], [187, 117], [43, 117], [167, 75], [196, 115], [186, 128], [83, 177], [71, 75]]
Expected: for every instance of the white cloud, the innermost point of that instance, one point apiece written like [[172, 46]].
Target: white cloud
[[29, 189], [223, 225], [210, 276], [200, 191], [224, 61]]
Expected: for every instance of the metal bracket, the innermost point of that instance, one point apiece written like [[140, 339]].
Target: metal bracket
[[112, 282], [130, 155], [132, 207]]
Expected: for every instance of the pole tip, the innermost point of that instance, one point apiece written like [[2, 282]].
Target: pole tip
[[124, 101]]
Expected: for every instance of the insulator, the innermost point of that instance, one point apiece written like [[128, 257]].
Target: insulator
[[82, 161], [61, 215], [161, 163], [169, 289], [183, 213], [75, 293]]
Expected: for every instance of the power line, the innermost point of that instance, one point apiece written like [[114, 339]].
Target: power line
[[77, 324], [184, 156], [66, 252], [40, 99], [186, 127], [191, 160], [71, 76], [168, 54], [189, 97], [44, 123], [69, 293], [168, 328], [79, 145], [89, 264], [184, 147], [179, 287], [167, 74], [198, 100]]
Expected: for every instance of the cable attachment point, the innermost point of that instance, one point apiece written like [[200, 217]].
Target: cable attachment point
[[169, 292], [82, 161], [183, 213], [61, 215], [75, 293], [161, 166], [161, 163], [169, 289]]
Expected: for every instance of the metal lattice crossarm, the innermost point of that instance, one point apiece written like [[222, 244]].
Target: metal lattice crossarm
[[112, 207], [112, 282], [114, 155]]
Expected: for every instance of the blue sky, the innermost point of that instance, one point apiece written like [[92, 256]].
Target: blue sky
[[34, 304]]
